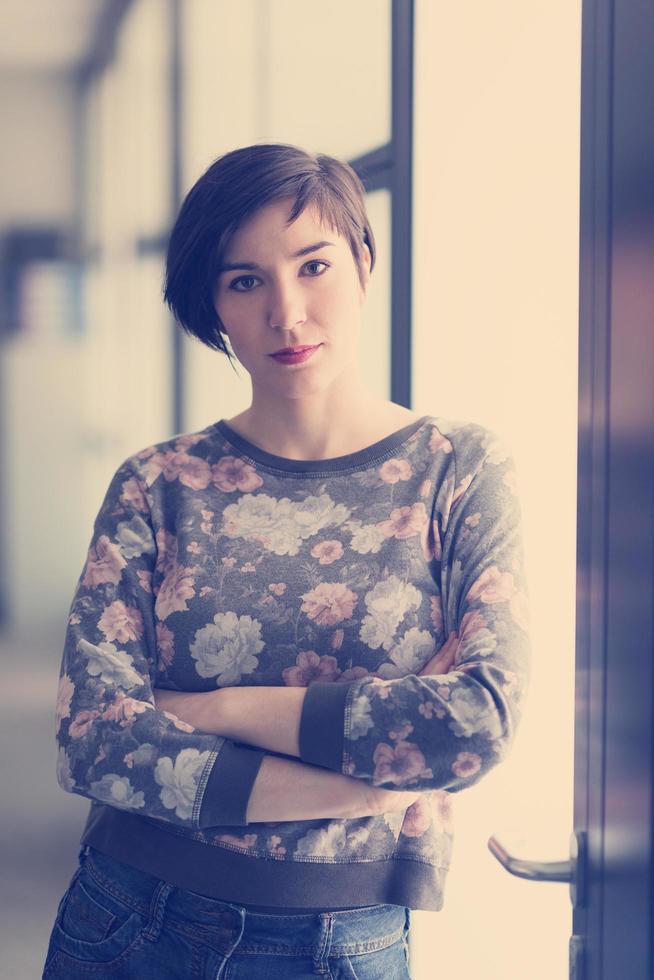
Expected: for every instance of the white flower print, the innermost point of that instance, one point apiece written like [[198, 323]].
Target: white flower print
[[361, 719], [367, 539], [281, 525], [332, 840], [475, 713], [411, 653], [388, 602], [180, 782], [117, 791], [135, 537], [64, 775], [227, 648], [111, 665]]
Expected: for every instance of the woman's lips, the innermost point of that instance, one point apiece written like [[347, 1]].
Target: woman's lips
[[297, 357]]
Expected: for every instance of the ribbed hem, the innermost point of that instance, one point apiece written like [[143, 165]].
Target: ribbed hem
[[222, 873], [321, 724], [228, 789]]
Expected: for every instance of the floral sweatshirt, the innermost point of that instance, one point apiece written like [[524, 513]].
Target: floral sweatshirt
[[213, 562]]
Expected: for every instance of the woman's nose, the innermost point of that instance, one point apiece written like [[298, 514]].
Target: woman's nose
[[287, 306]]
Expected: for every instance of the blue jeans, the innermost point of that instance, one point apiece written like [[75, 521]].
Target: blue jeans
[[116, 921]]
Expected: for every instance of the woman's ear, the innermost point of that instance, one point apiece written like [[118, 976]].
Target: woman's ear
[[366, 262]]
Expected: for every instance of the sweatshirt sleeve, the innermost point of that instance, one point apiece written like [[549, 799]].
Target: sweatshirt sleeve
[[444, 731], [114, 745]]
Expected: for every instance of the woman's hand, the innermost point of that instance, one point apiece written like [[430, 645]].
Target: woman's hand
[[197, 708], [443, 661]]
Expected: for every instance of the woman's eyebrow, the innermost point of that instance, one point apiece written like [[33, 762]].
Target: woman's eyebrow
[[229, 266]]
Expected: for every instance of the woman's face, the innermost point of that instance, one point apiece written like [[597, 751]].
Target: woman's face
[[272, 297]]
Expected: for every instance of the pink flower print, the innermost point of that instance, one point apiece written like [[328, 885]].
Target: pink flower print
[[166, 551], [337, 639], [438, 443], [424, 488], [460, 490], [511, 480], [178, 723], [404, 522], [471, 622], [310, 667], [188, 439], [120, 622], [327, 551], [74, 619], [229, 562], [492, 586], [248, 567], [232, 473], [431, 541], [104, 563], [81, 723], [329, 603], [148, 451], [279, 588], [354, 674], [165, 645], [177, 587], [436, 612], [132, 494], [207, 514], [395, 469], [145, 579], [124, 710], [417, 818], [193, 472], [129, 760], [194, 548], [402, 763], [466, 764], [206, 590], [65, 692], [400, 733], [274, 845], [472, 520], [441, 804]]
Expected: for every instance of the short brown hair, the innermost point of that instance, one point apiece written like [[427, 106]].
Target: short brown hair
[[234, 187]]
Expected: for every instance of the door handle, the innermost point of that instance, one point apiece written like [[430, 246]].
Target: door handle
[[572, 871]]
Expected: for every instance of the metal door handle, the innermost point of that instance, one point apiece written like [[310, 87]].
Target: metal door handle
[[572, 871]]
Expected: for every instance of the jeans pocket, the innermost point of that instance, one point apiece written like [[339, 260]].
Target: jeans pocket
[[391, 961], [92, 925]]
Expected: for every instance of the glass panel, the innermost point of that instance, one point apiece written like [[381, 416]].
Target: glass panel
[[285, 71], [375, 339]]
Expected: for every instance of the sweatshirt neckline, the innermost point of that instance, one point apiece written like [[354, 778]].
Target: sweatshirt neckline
[[375, 452]]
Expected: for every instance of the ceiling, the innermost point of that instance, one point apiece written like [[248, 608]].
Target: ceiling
[[48, 35]]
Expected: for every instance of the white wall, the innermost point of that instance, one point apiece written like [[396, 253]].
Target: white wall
[[495, 329], [36, 148]]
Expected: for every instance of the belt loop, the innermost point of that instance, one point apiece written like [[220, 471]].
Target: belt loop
[[83, 854], [320, 964], [157, 909]]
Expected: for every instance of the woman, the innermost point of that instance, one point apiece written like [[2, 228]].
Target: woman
[[297, 631]]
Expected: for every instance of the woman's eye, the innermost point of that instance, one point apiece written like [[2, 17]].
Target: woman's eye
[[318, 262], [235, 282]]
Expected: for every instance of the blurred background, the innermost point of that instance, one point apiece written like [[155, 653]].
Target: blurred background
[[468, 142]]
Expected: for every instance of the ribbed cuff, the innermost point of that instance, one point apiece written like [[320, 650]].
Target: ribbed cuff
[[322, 724], [229, 786]]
